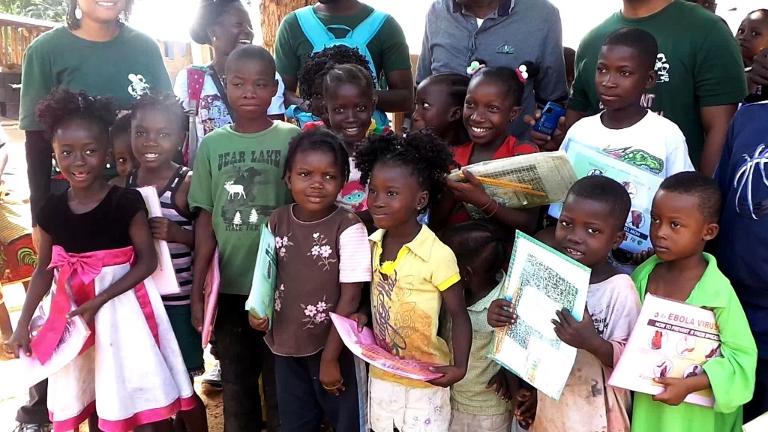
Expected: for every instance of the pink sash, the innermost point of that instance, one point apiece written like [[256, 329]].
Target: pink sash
[[80, 270]]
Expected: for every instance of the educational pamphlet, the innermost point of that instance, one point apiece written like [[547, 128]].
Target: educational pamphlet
[[261, 300], [211, 292], [164, 275]]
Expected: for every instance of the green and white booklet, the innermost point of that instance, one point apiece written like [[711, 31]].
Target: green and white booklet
[[261, 301], [539, 282]]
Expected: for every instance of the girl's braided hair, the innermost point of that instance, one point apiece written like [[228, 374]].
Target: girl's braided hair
[[321, 62], [63, 105], [424, 153]]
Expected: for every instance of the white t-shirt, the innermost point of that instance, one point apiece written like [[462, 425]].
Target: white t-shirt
[[212, 112], [653, 144]]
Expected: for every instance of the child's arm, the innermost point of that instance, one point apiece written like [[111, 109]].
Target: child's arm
[[42, 278], [472, 192], [330, 372], [205, 245], [582, 335], [165, 229], [145, 263], [461, 329]]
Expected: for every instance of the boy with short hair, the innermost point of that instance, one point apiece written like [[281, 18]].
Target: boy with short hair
[[590, 226], [743, 240], [684, 217], [625, 130], [236, 185]]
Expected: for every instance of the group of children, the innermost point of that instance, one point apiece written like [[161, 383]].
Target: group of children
[[367, 226]]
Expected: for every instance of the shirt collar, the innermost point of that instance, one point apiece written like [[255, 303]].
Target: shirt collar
[[505, 7], [711, 289], [421, 245]]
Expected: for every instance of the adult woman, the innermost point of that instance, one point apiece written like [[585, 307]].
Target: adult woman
[[95, 52], [224, 25]]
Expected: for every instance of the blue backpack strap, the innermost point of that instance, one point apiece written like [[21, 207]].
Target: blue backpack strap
[[314, 29], [366, 30]]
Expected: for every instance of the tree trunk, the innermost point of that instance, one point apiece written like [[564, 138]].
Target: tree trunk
[[272, 14]]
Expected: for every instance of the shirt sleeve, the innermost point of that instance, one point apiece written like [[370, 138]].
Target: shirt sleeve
[[722, 174], [37, 81], [732, 376], [424, 69], [201, 191], [678, 159], [130, 203], [354, 255], [278, 107], [621, 315], [550, 84], [287, 61], [445, 273], [395, 55], [584, 78], [718, 70]]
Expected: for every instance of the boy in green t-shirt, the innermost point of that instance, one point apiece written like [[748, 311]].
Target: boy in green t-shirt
[[684, 217], [236, 185]]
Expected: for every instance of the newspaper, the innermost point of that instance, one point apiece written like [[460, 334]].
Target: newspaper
[[164, 275], [549, 173], [540, 281], [640, 184], [363, 344], [670, 339]]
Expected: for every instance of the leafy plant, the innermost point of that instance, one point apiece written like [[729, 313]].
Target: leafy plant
[[50, 10]]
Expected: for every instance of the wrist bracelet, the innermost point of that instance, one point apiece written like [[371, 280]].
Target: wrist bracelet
[[490, 201], [494, 210]]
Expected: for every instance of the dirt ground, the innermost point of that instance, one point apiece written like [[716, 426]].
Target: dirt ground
[[13, 392]]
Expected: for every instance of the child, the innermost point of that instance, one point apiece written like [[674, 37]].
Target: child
[[752, 35], [323, 261], [130, 371], [626, 130], [311, 113], [414, 275], [350, 98], [236, 186], [481, 401], [122, 154], [492, 102], [159, 127], [439, 103], [590, 226], [684, 217], [744, 222]]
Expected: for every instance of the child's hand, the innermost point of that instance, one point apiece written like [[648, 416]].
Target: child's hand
[[525, 407], [260, 324], [18, 343], [471, 192], [197, 307], [546, 142], [500, 313], [87, 311], [451, 375], [360, 318], [578, 334], [330, 377], [504, 385], [675, 392], [165, 229], [641, 257]]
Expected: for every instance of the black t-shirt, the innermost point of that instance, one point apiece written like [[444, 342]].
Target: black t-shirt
[[105, 227]]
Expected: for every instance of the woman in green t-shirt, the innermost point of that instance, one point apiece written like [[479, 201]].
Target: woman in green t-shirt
[[97, 53]]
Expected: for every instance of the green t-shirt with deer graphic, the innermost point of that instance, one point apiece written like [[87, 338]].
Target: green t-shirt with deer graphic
[[238, 179]]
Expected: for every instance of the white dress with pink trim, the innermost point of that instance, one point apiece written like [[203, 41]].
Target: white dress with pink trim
[[130, 371]]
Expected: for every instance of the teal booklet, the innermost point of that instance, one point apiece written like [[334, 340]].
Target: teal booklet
[[261, 300]]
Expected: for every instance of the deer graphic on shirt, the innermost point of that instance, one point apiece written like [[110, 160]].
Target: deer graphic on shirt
[[235, 190]]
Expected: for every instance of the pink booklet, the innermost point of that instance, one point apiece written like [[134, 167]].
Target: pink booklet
[[211, 298], [363, 344]]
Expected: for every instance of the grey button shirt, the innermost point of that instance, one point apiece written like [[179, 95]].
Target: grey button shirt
[[519, 31]]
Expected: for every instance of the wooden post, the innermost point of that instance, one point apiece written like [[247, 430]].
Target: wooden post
[[272, 14]]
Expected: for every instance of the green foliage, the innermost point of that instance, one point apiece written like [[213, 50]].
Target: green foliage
[[50, 10]]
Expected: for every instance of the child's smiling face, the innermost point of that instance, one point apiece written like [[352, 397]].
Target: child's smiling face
[[488, 112], [621, 77], [157, 135], [81, 152], [753, 36], [587, 230], [395, 196], [349, 111], [434, 108], [679, 229]]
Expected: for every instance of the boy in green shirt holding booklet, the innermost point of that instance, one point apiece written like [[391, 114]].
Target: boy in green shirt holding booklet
[[683, 218]]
